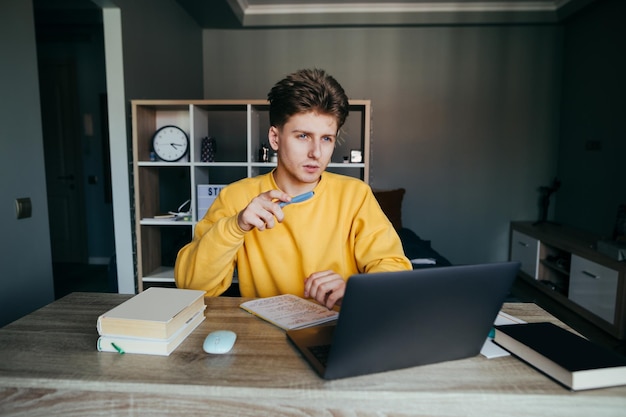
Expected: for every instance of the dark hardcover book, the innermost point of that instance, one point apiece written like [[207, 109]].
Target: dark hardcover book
[[562, 355]]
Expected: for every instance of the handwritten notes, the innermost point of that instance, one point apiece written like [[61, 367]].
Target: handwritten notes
[[289, 311]]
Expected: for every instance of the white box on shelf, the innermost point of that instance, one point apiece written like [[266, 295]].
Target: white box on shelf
[[206, 195]]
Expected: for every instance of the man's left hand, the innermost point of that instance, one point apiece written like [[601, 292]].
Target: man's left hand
[[326, 287]]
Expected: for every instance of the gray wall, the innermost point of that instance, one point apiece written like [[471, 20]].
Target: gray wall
[[594, 109], [162, 51], [162, 59], [464, 118], [26, 280]]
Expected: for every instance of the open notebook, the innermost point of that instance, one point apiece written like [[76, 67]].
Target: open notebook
[[396, 320]]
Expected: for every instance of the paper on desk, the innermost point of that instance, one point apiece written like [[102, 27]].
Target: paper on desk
[[424, 261], [288, 311], [490, 350]]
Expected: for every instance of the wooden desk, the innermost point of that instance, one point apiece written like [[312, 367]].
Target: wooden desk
[[49, 366]]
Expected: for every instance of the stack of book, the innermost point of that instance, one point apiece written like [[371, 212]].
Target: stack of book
[[154, 322]]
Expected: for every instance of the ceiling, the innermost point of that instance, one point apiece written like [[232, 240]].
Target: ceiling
[[324, 13], [241, 14]]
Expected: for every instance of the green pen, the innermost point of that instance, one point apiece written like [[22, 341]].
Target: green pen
[[119, 349]]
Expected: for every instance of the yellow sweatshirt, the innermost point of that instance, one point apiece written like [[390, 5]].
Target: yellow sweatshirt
[[341, 228]]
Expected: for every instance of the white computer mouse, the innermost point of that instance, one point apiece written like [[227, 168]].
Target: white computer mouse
[[219, 341]]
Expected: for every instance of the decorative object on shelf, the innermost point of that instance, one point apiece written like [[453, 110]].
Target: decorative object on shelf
[[274, 157], [544, 201], [170, 143], [208, 149], [181, 214], [207, 193], [356, 156], [264, 153]]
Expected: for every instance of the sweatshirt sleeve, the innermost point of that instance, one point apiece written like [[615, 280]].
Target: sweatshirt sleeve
[[208, 261], [378, 247]]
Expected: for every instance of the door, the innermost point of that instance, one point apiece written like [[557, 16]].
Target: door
[[62, 150]]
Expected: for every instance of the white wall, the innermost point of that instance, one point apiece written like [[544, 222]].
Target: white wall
[[465, 118], [26, 278]]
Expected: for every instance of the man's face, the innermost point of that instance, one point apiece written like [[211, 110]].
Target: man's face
[[305, 145]]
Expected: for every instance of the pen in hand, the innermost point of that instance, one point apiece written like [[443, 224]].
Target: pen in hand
[[297, 199]]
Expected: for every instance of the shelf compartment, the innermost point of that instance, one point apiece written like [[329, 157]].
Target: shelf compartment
[[227, 124], [170, 187], [224, 174], [554, 268], [259, 124], [158, 257], [161, 274], [151, 117]]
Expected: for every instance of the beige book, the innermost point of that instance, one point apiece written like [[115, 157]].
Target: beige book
[[156, 313], [125, 344]]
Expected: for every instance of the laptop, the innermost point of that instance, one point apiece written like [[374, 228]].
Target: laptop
[[395, 320]]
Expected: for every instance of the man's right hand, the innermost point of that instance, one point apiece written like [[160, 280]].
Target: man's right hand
[[263, 211]]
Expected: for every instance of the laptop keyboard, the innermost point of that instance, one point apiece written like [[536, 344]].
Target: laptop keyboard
[[320, 352]]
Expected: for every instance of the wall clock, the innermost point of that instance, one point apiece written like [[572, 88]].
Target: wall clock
[[170, 143]]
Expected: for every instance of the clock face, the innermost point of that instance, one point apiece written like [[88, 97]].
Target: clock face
[[170, 143]]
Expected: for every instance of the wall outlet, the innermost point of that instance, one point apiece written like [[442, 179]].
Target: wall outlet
[[23, 208]]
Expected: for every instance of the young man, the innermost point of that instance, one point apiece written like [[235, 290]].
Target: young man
[[309, 248]]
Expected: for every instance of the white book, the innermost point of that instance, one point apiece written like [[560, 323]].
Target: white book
[[121, 344]]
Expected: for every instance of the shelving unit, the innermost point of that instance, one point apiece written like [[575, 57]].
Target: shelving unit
[[563, 263], [240, 128]]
